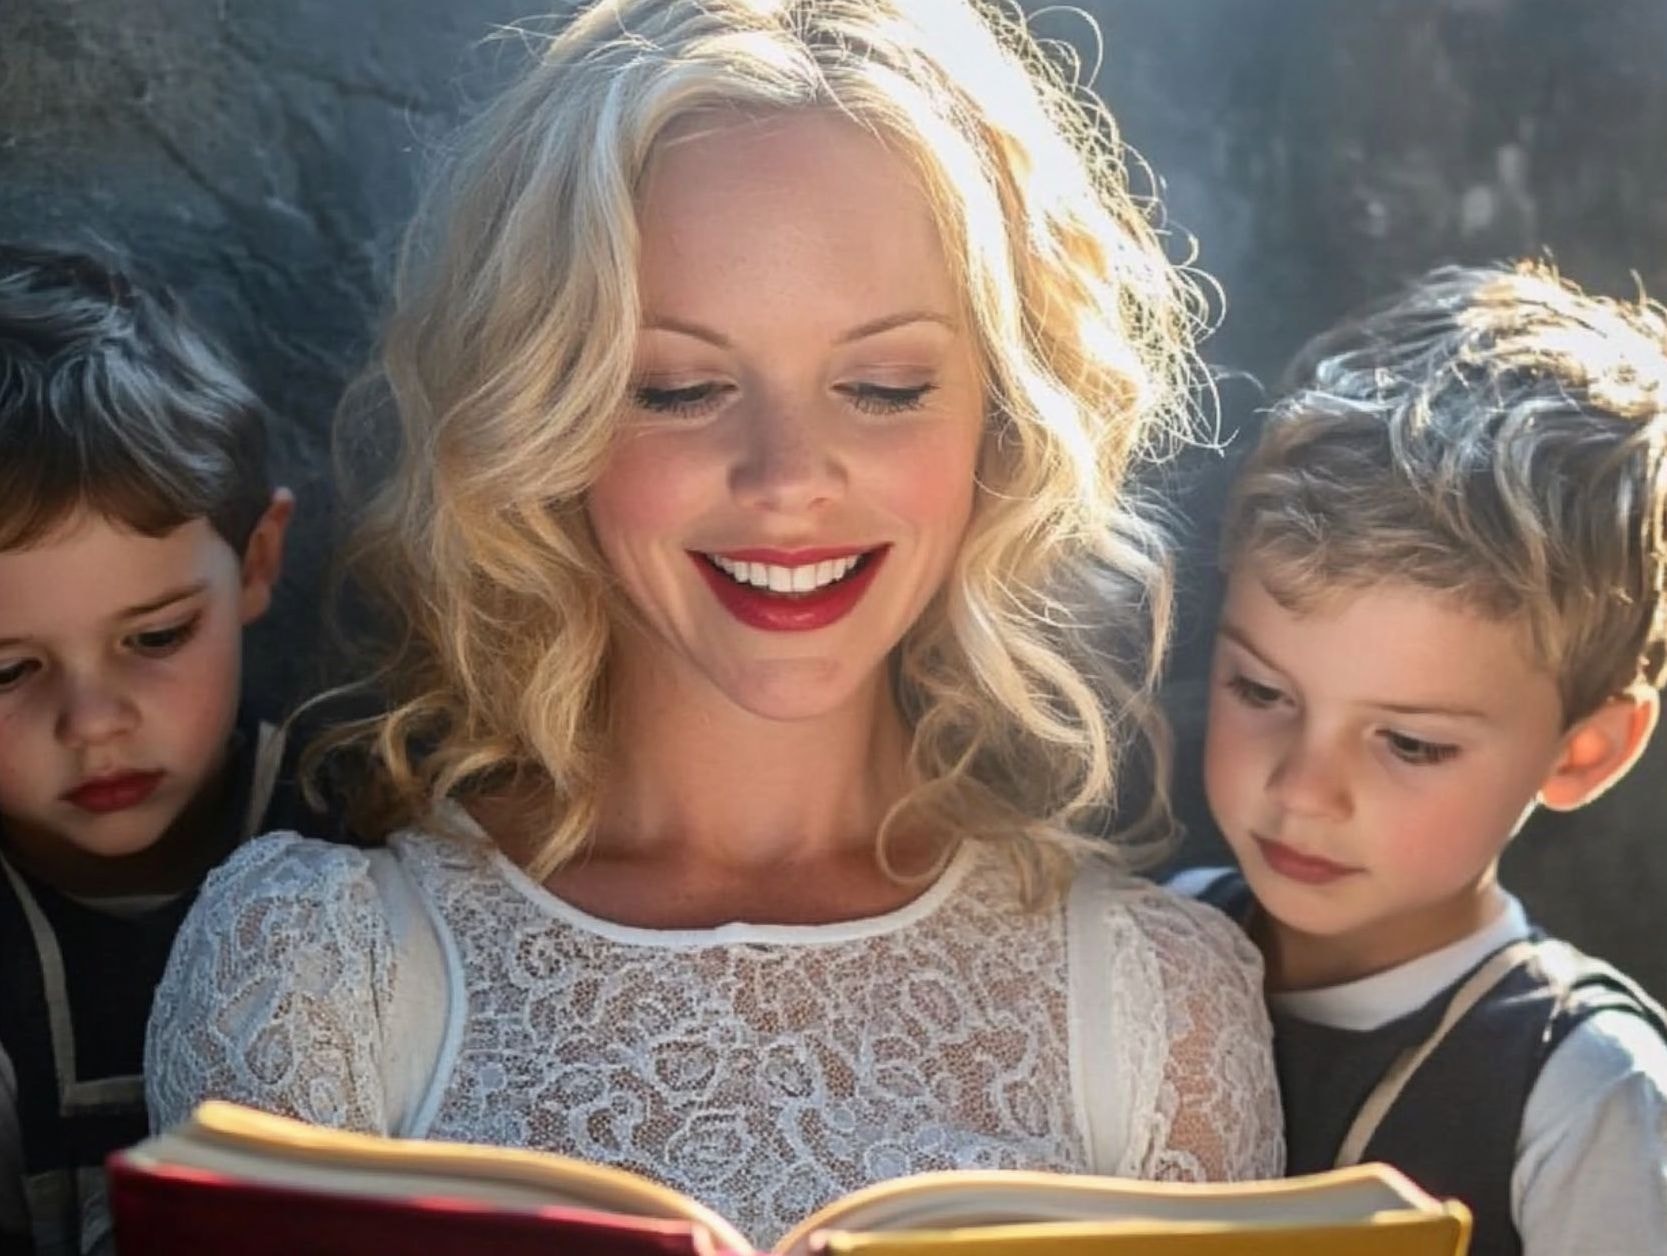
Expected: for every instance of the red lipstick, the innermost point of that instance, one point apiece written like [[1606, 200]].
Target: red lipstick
[[1296, 866], [114, 793], [791, 612]]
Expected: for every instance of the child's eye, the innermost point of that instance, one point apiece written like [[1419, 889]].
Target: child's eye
[[15, 673], [160, 642], [689, 401], [880, 399], [1252, 694], [1416, 751]]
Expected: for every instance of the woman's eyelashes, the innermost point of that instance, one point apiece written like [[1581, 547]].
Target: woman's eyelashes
[[881, 399], [687, 401], [698, 400]]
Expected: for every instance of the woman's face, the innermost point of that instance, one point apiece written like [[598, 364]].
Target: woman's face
[[796, 467]]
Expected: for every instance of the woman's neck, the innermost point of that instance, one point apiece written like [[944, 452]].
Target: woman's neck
[[693, 778]]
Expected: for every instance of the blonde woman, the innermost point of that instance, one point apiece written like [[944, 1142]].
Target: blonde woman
[[769, 376]]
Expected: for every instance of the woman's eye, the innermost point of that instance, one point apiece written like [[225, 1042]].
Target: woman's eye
[[1252, 694], [694, 399], [161, 642], [15, 673], [880, 399], [1417, 751]]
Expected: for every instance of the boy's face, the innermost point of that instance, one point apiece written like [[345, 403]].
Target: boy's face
[[1369, 760], [120, 657]]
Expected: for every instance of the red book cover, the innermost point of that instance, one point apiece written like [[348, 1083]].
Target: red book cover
[[172, 1211]]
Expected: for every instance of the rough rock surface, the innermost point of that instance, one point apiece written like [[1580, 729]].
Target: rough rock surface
[[262, 157]]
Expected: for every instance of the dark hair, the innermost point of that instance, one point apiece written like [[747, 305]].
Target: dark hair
[[1493, 434], [112, 402]]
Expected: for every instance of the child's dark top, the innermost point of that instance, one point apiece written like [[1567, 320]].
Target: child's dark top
[[1457, 1128], [76, 981]]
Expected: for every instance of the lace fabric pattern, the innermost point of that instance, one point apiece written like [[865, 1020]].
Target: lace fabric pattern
[[763, 1070], [764, 1077], [272, 993], [1207, 1107]]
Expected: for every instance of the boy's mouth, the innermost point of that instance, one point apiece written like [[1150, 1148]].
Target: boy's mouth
[[106, 794], [1296, 866]]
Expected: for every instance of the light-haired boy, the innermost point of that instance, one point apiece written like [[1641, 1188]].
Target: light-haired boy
[[1444, 608], [138, 535]]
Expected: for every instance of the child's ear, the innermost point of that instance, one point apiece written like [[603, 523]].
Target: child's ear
[[263, 556], [1600, 748]]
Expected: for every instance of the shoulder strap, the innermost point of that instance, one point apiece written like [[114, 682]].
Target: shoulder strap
[[267, 759], [1475, 988]]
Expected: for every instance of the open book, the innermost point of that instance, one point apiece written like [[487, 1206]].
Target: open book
[[232, 1178]]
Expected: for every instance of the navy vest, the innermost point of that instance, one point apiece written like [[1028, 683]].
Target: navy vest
[[1454, 1129]]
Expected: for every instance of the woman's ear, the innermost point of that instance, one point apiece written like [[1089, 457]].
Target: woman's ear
[[1599, 749], [263, 556]]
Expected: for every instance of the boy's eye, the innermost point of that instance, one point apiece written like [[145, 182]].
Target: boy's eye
[[15, 673], [1252, 694], [689, 401], [1416, 751], [161, 642], [880, 399]]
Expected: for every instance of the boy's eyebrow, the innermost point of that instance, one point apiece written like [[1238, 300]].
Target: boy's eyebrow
[[1238, 638], [133, 612], [1423, 708], [167, 599]]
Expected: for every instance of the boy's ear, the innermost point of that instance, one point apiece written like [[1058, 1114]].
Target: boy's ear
[[1600, 748], [263, 556]]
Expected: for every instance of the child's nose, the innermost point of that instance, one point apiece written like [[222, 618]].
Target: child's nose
[[1310, 779], [93, 710]]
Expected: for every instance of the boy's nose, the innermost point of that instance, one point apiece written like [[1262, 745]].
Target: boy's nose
[[787, 463], [93, 711], [1311, 780]]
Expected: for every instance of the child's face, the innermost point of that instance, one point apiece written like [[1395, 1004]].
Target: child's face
[[807, 396], [1369, 760], [119, 670]]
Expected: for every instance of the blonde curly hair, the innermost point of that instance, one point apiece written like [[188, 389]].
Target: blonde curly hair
[[509, 354]]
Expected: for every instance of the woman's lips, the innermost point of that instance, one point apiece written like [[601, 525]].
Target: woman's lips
[[114, 793], [792, 612], [1296, 866]]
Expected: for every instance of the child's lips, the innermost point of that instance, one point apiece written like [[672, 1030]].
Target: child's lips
[[1295, 865], [117, 792]]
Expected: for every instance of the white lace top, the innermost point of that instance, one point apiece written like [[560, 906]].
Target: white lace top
[[433, 990]]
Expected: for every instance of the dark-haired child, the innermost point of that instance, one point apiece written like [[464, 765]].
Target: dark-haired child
[[138, 535]]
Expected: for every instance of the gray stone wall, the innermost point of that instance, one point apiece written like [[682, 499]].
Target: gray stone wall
[[262, 154]]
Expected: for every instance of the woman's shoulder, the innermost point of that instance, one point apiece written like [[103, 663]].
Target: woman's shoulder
[[1178, 930], [286, 865]]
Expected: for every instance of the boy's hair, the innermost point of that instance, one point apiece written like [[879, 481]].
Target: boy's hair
[[1492, 434], [112, 402]]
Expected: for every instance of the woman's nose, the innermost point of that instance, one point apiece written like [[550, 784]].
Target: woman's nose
[[789, 462]]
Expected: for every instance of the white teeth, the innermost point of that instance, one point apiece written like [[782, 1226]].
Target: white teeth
[[803, 579]]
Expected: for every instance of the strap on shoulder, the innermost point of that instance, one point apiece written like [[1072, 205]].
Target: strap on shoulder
[[1493, 970]]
